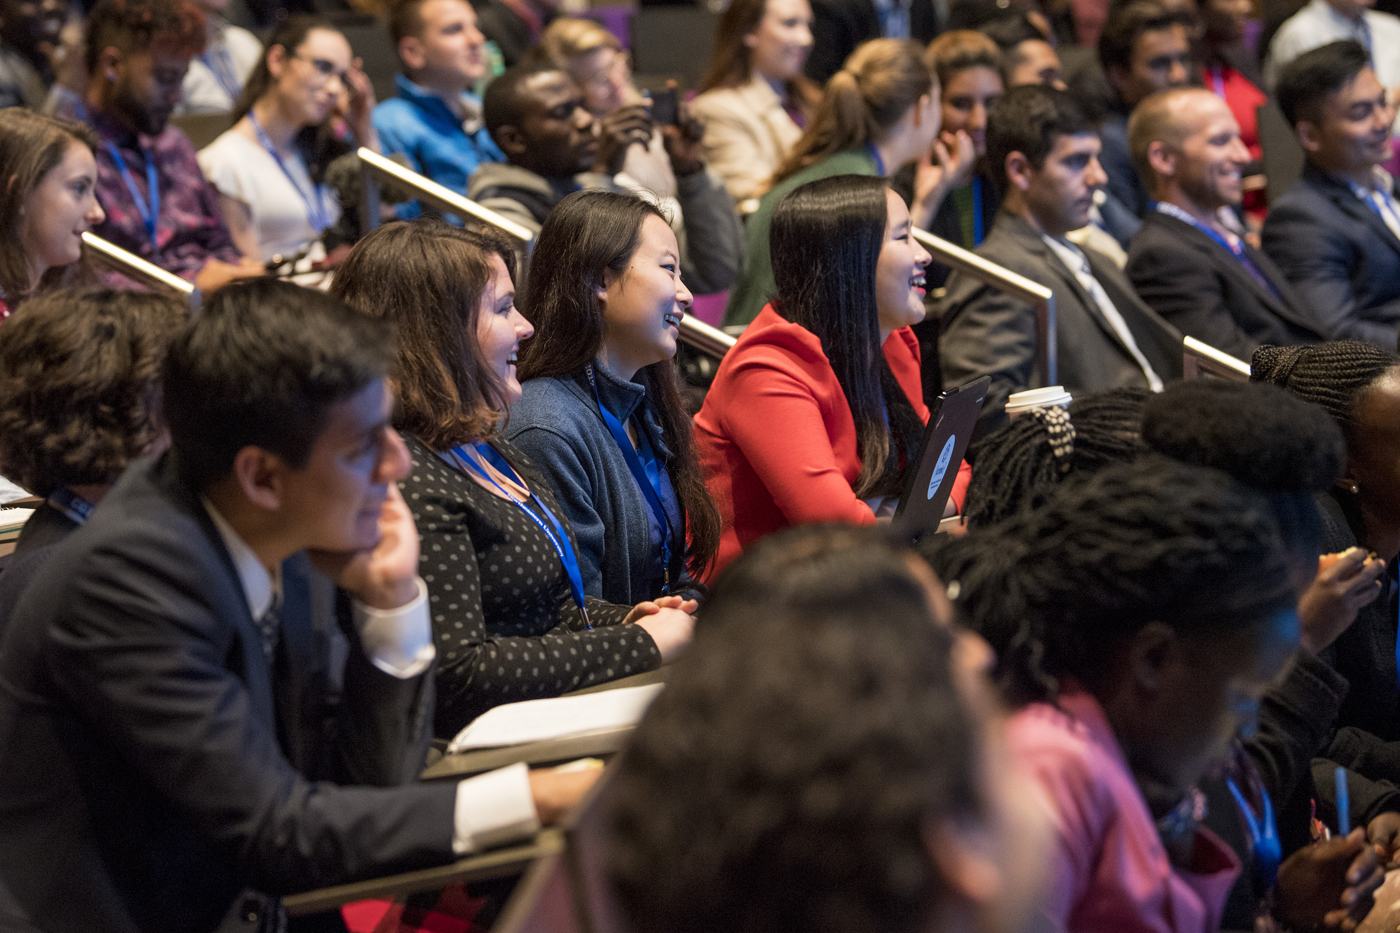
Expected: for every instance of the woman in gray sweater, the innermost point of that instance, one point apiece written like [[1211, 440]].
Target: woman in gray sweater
[[601, 413]]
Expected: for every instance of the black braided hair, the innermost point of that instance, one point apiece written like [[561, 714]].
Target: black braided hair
[[1017, 467], [1333, 375], [1053, 590]]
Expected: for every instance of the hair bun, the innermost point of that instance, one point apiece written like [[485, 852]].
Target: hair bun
[[1275, 364]]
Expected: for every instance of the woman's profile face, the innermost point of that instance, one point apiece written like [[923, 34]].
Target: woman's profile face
[[60, 209], [778, 46], [643, 307], [311, 80], [605, 74], [1373, 459], [899, 273], [500, 327]]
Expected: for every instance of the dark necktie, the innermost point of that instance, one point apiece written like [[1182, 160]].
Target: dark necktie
[[269, 627]]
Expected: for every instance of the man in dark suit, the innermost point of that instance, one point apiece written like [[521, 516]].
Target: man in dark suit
[[1336, 234], [1188, 265], [839, 26], [185, 698], [1045, 150]]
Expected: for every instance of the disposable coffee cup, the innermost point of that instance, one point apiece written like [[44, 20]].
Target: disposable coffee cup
[[1019, 402]]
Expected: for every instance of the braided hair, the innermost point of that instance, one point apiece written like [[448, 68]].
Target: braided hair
[[1333, 375], [1054, 590], [1020, 465]]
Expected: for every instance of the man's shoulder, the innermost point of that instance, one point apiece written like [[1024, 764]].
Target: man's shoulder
[[1312, 199], [505, 175]]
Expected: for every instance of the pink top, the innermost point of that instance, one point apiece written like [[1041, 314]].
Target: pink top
[[1108, 870]]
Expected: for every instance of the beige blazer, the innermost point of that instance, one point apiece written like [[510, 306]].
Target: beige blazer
[[747, 135]]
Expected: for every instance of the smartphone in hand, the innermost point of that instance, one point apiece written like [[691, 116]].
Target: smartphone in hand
[[666, 107]]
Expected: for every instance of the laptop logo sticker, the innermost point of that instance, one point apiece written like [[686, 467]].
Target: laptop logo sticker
[[942, 466]]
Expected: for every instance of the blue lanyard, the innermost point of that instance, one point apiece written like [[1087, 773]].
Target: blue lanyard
[[217, 60], [879, 159], [315, 213], [562, 547], [648, 478], [1236, 248], [1268, 851], [150, 213], [977, 212], [71, 504]]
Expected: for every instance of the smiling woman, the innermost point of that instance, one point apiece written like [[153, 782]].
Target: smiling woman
[[48, 200]]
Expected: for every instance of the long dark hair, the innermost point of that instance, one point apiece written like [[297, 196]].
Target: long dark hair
[[428, 277], [31, 146], [586, 235], [825, 240], [731, 65], [316, 144]]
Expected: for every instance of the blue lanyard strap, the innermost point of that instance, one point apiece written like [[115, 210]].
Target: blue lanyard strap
[[315, 210], [1268, 851], [71, 504], [1236, 247], [149, 211], [220, 64], [648, 480], [977, 212], [559, 538]]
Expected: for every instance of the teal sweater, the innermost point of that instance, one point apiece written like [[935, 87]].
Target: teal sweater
[[755, 287]]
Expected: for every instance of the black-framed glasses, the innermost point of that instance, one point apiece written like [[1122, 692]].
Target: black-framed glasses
[[326, 69]]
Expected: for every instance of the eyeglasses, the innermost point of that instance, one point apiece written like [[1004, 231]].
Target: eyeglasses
[[325, 69], [616, 69]]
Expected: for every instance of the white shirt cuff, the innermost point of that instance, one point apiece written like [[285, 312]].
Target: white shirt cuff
[[493, 809], [398, 641]]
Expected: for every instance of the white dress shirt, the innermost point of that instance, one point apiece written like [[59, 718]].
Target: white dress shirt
[[492, 808], [1075, 262], [1317, 24]]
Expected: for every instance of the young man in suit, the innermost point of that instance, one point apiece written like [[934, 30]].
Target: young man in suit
[[1043, 149], [199, 677], [1336, 234], [1187, 264]]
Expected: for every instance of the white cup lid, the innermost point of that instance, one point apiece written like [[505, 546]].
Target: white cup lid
[[1037, 398]]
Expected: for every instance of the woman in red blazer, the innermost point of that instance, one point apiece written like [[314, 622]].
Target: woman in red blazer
[[807, 421]]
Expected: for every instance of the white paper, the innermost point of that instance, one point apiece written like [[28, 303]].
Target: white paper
[[12, 520], [558, 718]]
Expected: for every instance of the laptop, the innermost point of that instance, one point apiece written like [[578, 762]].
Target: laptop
[[941, 452]]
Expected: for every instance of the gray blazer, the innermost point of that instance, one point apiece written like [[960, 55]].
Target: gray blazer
[[986, 332]]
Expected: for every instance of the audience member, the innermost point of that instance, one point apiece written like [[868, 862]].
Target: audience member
[[1152, 606], [1027, 57], [1320, 22], [48, 201], [770, 788], [514, 26], [1144, 48], [1336, 233], [436, 121], [182, 698], [755, 100], [655, 156], [79, 400], [499, 555], [28, 40], [839, 27], [1186, 264], [157, 202], [1045, 151], [601, 413], [879, 113], [816, 413], [536, 114], [270, 167], [1229, 69], [216, 77], [968, 66]]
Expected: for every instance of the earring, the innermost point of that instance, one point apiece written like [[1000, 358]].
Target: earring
[[1355, 489]]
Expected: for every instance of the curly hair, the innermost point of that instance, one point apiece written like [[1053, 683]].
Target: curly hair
[[135, 26], [80, 385], [1054, 590], [1018, 467], [783, 779]]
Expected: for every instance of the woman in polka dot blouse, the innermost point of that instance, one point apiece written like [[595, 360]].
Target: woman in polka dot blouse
[[496, 546], [606, 296]]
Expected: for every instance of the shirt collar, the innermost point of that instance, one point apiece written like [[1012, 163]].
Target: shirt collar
[[424, 97], [260, 588]]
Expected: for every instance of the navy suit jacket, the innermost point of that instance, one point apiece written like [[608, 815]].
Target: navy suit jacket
[[155, 763], [1201, 288], [1340, 256]]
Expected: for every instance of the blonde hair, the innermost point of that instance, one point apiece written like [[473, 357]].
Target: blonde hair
[[567, 39], [960, 50], [872, 92]]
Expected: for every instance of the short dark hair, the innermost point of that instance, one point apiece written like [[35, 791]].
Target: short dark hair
[[80, 384], [134, 26], [1009, 30], [406, 19], [1028, 120], [1126, 24], [261, 365], [503, 103], [784, 779], [1305, 83]]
